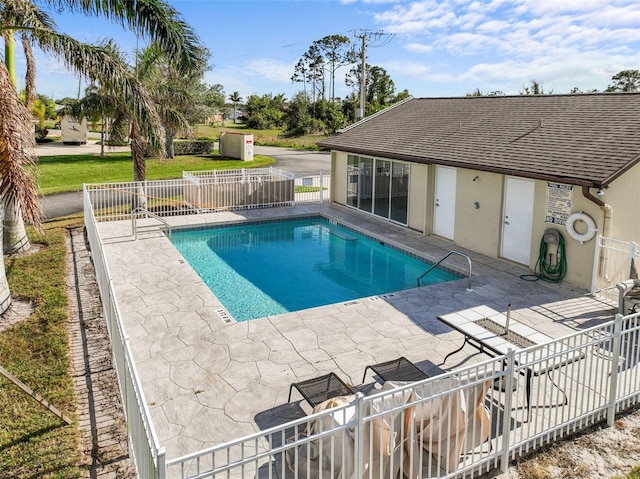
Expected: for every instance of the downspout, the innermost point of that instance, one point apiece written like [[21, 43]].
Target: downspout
[[608, 212], [606, 228]]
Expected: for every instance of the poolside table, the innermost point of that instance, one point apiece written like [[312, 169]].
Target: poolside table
[[484, 329], [318, 390], [400, 369]]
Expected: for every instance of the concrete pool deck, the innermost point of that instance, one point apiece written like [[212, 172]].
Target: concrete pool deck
[[208, 381]]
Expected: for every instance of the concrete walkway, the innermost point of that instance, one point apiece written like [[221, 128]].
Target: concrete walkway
[[207, 381]]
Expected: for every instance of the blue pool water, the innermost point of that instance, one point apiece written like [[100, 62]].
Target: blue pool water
[[270, 268]]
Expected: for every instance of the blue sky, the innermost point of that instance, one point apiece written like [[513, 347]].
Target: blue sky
[[431, 48]]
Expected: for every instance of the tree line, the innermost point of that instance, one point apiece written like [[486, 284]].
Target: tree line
[[315, 109], [623, 81]]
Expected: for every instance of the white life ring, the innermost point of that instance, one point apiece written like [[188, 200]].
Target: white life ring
[[571, 229]]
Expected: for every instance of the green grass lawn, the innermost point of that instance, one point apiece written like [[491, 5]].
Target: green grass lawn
[[58, 174], [33, 441]]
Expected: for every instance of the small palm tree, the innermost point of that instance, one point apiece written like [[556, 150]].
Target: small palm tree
[[235, 99], [102, 63]]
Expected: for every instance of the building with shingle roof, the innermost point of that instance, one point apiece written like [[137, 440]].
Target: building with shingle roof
[[491, 174]]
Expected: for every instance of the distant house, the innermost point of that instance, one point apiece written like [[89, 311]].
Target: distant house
[[491, 174]]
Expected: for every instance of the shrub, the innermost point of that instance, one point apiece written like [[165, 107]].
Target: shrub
[[41, 133], [193, 147]]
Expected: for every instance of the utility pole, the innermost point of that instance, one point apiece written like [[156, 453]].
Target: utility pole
[[363, 76], [374, 39]]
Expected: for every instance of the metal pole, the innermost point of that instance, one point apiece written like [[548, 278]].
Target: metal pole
[[359, 435], [596, 265], [615, 359], [363, 76], [506, 416]]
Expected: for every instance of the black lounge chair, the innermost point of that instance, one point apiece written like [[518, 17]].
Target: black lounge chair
[[400, 369], [318, 390]]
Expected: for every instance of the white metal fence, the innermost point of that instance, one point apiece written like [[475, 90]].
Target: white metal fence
[[206, 191], [460, 423], [613, 262], [147, 453], [457, 424]]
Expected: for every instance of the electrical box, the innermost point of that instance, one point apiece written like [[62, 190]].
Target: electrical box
[[236, 145]]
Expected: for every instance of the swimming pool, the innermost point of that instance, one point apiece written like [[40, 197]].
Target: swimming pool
[[275, 267]]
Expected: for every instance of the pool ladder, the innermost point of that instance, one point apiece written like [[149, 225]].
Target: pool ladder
[[441, 260]]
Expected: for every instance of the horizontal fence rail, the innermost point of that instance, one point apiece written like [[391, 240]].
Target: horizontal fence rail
[[459, 424], [208, 191]]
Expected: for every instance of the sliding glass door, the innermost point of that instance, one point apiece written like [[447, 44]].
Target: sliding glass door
[[382, 189], [377, 186], [399, 192]]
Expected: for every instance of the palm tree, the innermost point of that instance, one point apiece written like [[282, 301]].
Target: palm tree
[[101, 63], [235, 99], [171, 90], [96, 105], [14, 234], [17, 162]]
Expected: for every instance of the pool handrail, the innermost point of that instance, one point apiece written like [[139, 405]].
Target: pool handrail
[[145, 211], [441, 260]]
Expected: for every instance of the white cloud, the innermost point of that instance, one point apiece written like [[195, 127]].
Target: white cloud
[[419, 47], [414, 69], [270, 69]]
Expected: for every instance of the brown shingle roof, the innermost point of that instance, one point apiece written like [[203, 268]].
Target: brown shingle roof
[[577, 139]]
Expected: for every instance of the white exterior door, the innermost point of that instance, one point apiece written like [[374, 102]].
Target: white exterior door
[[517, 220], [445, 205]]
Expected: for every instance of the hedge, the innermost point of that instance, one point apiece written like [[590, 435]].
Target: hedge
[[193, 147]]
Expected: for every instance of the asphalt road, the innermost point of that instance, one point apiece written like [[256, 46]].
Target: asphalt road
[[63, 204]]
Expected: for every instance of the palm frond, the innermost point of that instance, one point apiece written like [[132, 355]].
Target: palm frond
[[105, 64], [155, 20], [23, 15]]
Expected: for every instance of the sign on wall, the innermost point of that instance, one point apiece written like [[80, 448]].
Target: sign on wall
[[559, 203]]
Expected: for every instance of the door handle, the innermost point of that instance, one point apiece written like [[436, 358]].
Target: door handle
[[506, 220]]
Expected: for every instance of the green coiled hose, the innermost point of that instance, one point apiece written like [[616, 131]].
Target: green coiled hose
[[546, 269]]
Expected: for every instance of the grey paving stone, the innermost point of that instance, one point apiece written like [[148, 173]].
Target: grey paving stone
[[245, 369]]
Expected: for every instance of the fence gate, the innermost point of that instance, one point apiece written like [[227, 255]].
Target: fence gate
[[615, 261]]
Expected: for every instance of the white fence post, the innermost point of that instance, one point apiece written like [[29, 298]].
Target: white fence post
[[321, 187], [358, 439], [161, 463], [596, 265], [615, 360], [507, 381]]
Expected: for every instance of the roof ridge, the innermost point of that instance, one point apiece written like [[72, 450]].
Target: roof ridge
[[367, 118]]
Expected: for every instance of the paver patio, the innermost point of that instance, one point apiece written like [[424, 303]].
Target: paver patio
[[208, 381]]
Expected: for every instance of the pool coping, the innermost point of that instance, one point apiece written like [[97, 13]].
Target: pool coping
[[395, 247]]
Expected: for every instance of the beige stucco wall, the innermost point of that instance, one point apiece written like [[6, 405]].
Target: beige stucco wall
[[480, 229], [623, 196], [339, 177], [418, 198], [579, 256]]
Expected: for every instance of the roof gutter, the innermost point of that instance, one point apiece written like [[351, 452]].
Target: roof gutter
[[587, 194]]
